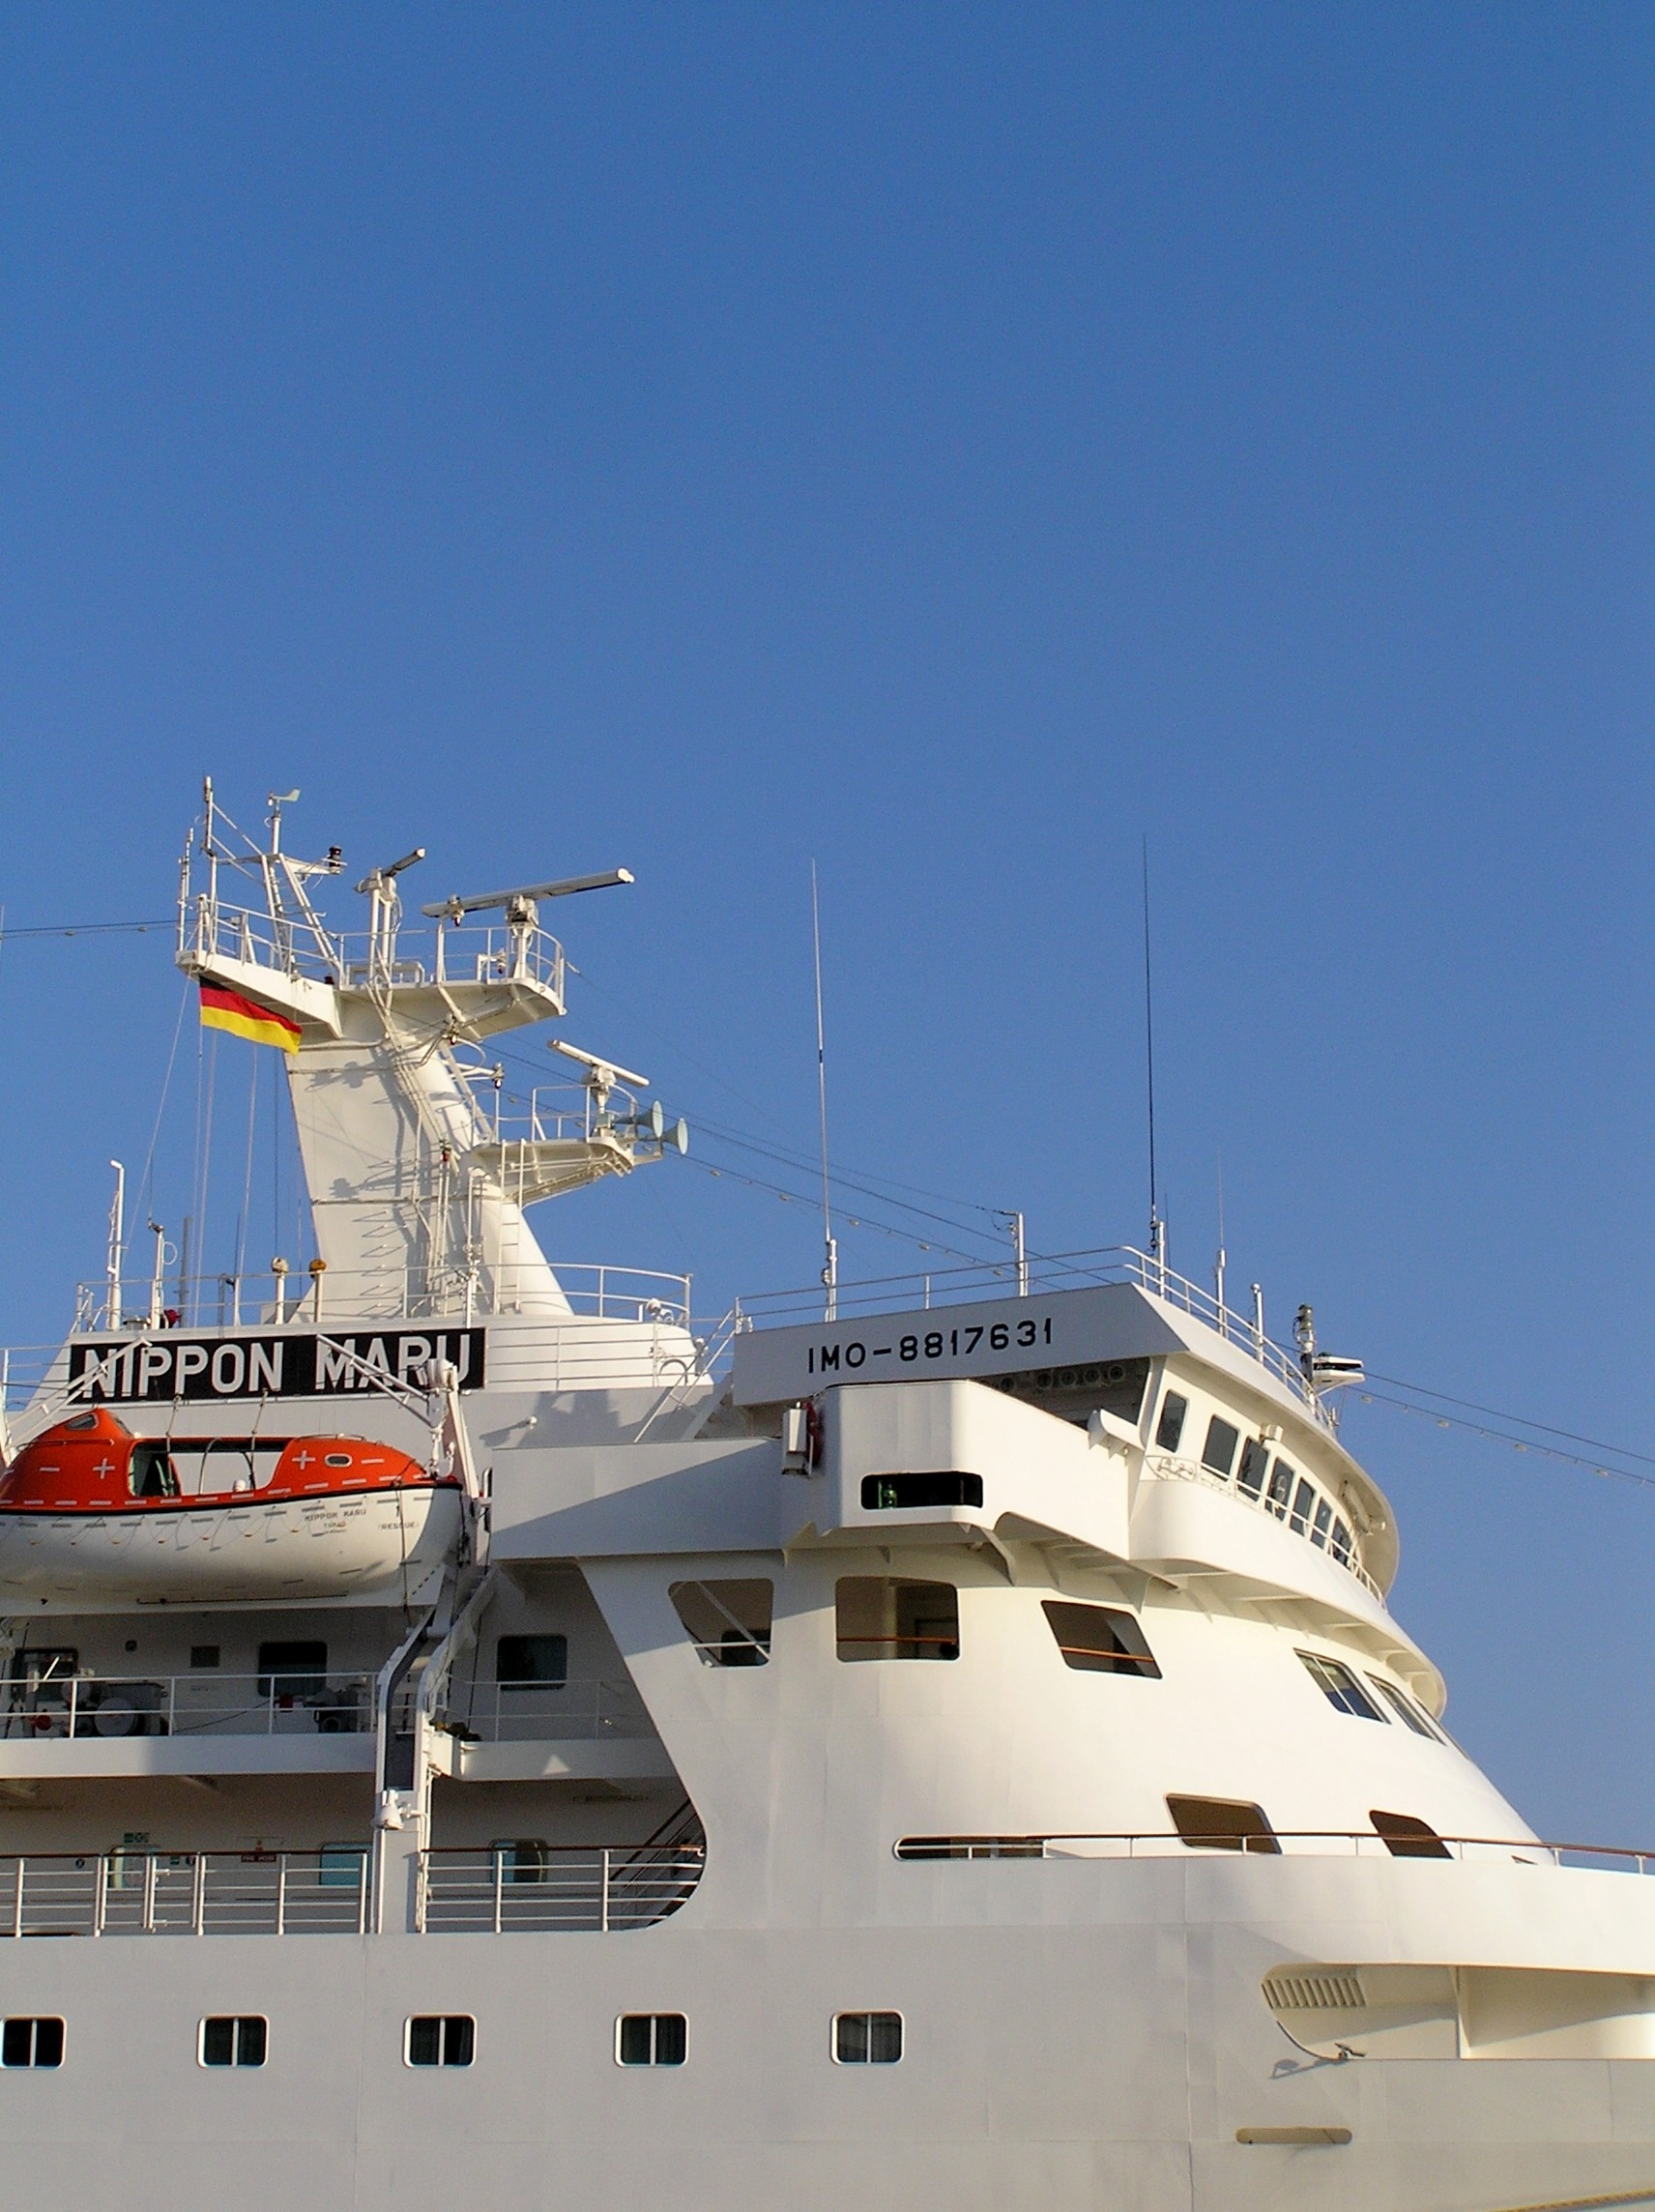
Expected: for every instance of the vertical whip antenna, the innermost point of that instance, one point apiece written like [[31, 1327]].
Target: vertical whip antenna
[[1157, 1229], [831, 1251]]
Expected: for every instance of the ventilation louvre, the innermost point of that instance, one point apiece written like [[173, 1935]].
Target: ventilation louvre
[[1314, 1993]]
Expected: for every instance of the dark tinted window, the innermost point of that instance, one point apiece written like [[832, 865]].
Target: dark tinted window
[[441, 2039], [1405, 1709], [1282, 1480], [1219, 1450], [236, 2040], [1222, 1824], [1169, 1428], [867, 2037], [651, 2039], [892, 1493], [1255, 1458], [294, 1669], [520, 1662], [204, 1655], [1099, 1640], [31, 2043]]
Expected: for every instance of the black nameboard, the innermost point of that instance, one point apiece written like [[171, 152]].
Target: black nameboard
[[138, 1370]]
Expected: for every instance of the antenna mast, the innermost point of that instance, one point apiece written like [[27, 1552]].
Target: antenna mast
[[831, 1250], [1157, 1227]]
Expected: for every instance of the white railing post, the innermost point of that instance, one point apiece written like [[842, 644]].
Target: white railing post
[[419, 1894], [17, 1900], [198, 1895], [603, 1895], [73, 1695], [499, 1885], [281, 1893], [101, 1893], [148, 1892]]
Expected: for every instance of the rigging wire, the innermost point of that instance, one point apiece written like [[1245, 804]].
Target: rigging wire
[[1517, 1420], [86, 928], [1598, 1467]]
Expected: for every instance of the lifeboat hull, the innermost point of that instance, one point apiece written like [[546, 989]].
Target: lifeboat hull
[[384, 1542]]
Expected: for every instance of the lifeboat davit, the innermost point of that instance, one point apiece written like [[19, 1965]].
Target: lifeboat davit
[[89, 1511]]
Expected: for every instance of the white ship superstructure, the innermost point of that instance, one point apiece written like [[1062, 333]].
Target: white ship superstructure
[[480, 1738]]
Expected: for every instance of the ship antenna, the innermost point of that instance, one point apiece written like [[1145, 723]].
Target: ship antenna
[[1157, 1227], [831, 1250]]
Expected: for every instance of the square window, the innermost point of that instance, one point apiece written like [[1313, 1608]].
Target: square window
[[1218, 1453], [341, 1866], [728, 1622], [441, 2039], [1169, 1429], [31, 2043], [867, 2037], [203, 1655], [1255, 1458], [233, 2040], [878, 1617], [1100, 1639], [291, 1670], [531, 1662], [651, 2039]]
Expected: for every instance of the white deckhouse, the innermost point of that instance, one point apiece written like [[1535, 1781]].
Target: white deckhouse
[[471, 1739]]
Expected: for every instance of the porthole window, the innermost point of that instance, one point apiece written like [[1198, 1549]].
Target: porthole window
[[1341, 1688], [441, 2039], [867, 2037], [233, 2039], [651, 2039], [1169, 1428], [31, 2043]]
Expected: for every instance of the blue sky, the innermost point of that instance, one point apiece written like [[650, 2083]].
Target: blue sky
[[953, 445]]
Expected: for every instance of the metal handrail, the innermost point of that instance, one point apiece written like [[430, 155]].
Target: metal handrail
[[553, 1888], [213, 928], [1354, 1842], [108, 1708], [542, 1712], [1175, 1467], [187, 1893], [1046, 1271]]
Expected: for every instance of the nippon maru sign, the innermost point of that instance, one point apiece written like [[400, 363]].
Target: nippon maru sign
[[141, 1370], [1042, 1335]]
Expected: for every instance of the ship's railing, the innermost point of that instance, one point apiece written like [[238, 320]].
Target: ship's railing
[[1043, 1271], [542, 1712], [349, 1299], [212, 928], [553, 1888], [187, 1893], [109, 1707], [1283, 1843]]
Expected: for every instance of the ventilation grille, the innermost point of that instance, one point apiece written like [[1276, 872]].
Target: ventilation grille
[[1313, 1993]]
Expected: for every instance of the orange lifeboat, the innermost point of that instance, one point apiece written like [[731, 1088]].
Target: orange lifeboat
[[89, 1509]]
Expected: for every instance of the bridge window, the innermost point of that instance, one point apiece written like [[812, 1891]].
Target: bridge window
[[234, 2040], [878, 1617], [1169, 1428], [1341, 1688], [441, 2039], [867, 2037], [531, 1662], [1409, 1838], [1406, 1710], [1281, 1479], [31, 2043], [1099, 1640], [1255, 1458], [1222, 1824], [1219, 1450], [728, 1620], [1304, 1500], [651, 2039]]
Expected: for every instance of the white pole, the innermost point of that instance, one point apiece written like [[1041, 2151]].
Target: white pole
[[117, 1241]]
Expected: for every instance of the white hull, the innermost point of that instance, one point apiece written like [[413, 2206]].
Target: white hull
[[248, 1550]]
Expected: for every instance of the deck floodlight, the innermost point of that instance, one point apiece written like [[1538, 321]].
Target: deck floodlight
[[451, 909]]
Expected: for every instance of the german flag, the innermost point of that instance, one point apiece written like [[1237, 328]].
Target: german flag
[[223, 1009]]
